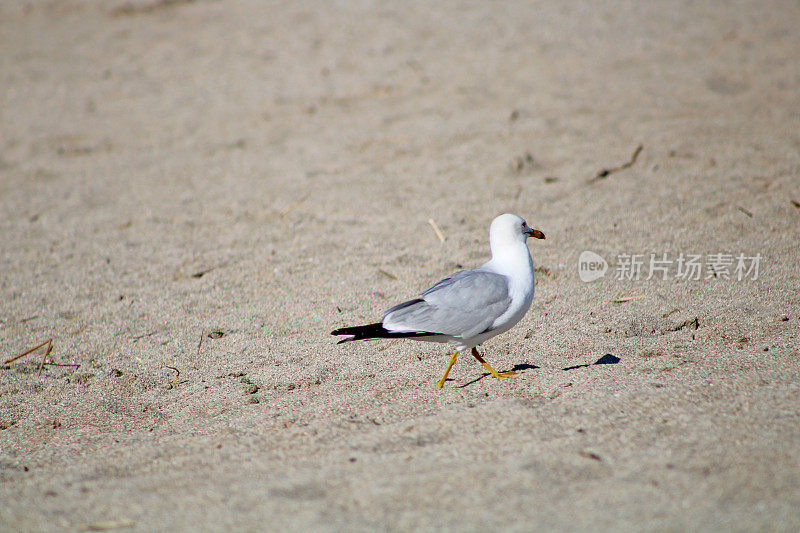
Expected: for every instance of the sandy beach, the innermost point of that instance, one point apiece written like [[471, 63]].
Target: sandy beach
[[194, 194]]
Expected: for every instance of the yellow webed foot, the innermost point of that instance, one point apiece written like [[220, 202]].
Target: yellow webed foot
[[495, 373], [453, 358]]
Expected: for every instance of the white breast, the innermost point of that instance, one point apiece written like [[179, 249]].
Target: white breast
[[516, 264]]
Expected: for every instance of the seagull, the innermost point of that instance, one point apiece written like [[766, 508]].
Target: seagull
[[470, 306]]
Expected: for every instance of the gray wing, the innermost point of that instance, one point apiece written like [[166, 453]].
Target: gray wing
[[461, 305]]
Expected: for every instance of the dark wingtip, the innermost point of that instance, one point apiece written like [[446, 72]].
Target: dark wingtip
[[343, 331], [374, 331]]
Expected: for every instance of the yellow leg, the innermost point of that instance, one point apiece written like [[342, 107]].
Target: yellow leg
[[494, 372], [440, 384]]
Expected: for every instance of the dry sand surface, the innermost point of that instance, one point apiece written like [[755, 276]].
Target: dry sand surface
[[257, 174]]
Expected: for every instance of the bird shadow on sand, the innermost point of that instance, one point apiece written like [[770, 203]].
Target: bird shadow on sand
[[517, 368], [607, 359]]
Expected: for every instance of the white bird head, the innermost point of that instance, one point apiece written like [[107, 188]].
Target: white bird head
[[508, 228]]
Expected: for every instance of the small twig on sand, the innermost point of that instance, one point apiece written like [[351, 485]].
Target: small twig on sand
[[129, 8], [106, 525], [200, 344], [140, 337], [436, 229], [177, 375], [295, 205], [75, 365], [624, 299], [590, 455], [203, 272], [602, 174], [387, 274], [23, 354], [46, 353]]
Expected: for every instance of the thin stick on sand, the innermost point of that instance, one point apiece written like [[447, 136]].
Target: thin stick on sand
[[177, 375], [624, 299], [200, 344], [23, 354], [436, 229], [295, 205], [387, 274], [46, 353], [602, 174], [106, 525]]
